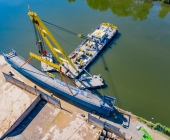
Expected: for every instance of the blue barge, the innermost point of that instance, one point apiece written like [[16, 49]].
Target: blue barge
[[103, 105]]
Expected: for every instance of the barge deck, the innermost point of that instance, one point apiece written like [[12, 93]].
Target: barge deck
[[89, 49]]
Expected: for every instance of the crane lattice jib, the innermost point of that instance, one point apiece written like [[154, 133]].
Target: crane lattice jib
[[44, 31]]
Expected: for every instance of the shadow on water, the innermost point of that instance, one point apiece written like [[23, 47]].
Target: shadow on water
[[108, 74], [138, 9], [23, 125], [111, 82]]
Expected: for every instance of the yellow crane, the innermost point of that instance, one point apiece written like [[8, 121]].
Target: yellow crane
[[49, 40]]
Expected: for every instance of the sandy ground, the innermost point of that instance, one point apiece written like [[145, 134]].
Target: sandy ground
[[13, 102]]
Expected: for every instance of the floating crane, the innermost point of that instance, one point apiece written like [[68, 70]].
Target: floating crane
[[73, 65], [42, 33]]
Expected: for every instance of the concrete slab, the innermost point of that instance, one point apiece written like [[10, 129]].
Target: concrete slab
[[40, 125], [53, 123], [13, 102], [85, 132]]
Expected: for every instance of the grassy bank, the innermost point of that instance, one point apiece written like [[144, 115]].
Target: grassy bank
[[157, 127]]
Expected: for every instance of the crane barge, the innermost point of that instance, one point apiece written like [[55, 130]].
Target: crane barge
[[76, 63]]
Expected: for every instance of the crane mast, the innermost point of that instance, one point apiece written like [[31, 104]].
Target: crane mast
[[46, 35]]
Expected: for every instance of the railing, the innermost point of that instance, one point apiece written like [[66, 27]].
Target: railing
[[104, 125], [32, 90]]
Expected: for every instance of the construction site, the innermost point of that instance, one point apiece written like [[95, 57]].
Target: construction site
[[34, 104]]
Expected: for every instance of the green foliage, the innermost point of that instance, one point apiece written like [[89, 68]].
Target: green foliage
[[142, 120], [138, 9], [165, 9], [71, 0], [166, 1], [149, 124], [163, 129], [159, 127]]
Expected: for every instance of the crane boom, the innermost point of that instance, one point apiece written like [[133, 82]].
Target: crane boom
[[43, 30]]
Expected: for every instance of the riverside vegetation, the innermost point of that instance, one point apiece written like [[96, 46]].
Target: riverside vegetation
[[140, 9], [158, 127]]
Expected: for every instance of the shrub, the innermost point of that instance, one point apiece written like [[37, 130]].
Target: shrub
[[151, 125], [166, 131], [142, 120], [161, 128], [166, 1]]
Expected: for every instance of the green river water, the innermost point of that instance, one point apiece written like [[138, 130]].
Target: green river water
[[135, 66]]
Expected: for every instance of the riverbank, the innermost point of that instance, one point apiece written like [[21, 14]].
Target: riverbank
[[158, 128]]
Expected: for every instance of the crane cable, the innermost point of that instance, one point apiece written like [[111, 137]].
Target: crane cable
[[26, 62], [65, 81], [79, 35], [71, 80]]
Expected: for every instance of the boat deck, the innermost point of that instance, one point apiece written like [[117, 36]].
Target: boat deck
[[91, 82], [86, 96], [88, 50]]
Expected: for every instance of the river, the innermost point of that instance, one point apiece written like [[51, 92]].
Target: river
[[135, 66]]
